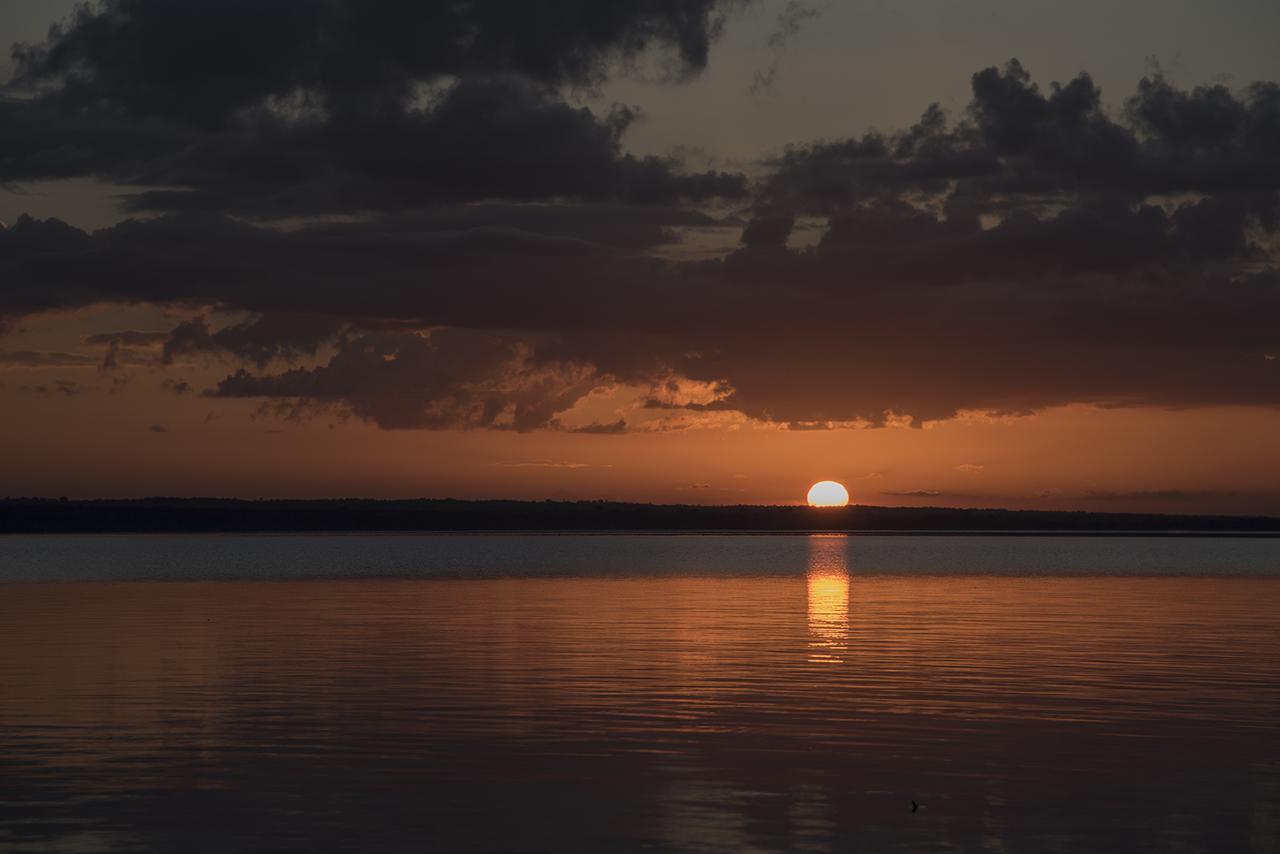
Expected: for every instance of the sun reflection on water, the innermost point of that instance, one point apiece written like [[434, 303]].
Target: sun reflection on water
[[828, 597]]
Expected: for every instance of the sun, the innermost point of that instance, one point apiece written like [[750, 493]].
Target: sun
[[828, 493]]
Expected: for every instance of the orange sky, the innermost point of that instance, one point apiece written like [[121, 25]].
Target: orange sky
[[103, 441]]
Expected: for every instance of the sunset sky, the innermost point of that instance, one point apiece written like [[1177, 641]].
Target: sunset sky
[[963, 254]]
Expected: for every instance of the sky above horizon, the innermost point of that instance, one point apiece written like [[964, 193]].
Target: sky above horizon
[[959, 254]]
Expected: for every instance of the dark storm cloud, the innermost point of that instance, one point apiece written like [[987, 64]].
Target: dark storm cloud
[[450, 378], [768, 230], [491, 276], [894, 241], [1015, 140], [917, 319], [1040, 249], [205, 61], [41, 139], [258, 341], [501, 138], [482, 139], [331, 107]]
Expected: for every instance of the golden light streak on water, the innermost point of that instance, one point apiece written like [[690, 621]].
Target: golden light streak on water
[[828, 597]]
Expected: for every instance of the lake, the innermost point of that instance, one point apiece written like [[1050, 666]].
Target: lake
[[639, 692]]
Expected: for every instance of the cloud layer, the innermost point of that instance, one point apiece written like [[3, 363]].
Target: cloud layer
[[501, 257]]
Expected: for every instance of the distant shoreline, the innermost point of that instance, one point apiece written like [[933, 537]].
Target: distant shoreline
[[441, 516], [633, 532]]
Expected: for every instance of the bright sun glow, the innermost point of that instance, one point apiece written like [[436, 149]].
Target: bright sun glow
[[828, 493]]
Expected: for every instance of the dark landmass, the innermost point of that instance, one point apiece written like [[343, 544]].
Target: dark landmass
[[34, 515]]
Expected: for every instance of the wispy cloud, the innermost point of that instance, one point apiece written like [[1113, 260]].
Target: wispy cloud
[[1156, 495], [547, 464], [788, 26], [44, 359]]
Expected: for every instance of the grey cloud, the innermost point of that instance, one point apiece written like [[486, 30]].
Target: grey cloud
[[126, 337], [482, 139], [1015, 140], [787, 27], [613, 428], [768, 230], [448, 378], [45, 359], [925, 319], [66, 388], [111, 359], [345, 106], [1011, 260], [258, 341], [148, 58]]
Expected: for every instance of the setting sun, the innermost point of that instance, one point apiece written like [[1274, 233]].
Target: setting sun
[[828, 493]]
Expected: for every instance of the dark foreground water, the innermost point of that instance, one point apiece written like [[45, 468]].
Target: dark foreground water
[[627, 693]]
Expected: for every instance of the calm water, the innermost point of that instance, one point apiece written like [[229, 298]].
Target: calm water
[[620, 693]]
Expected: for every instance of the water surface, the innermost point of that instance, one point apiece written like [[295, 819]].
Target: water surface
[[624, 693]]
